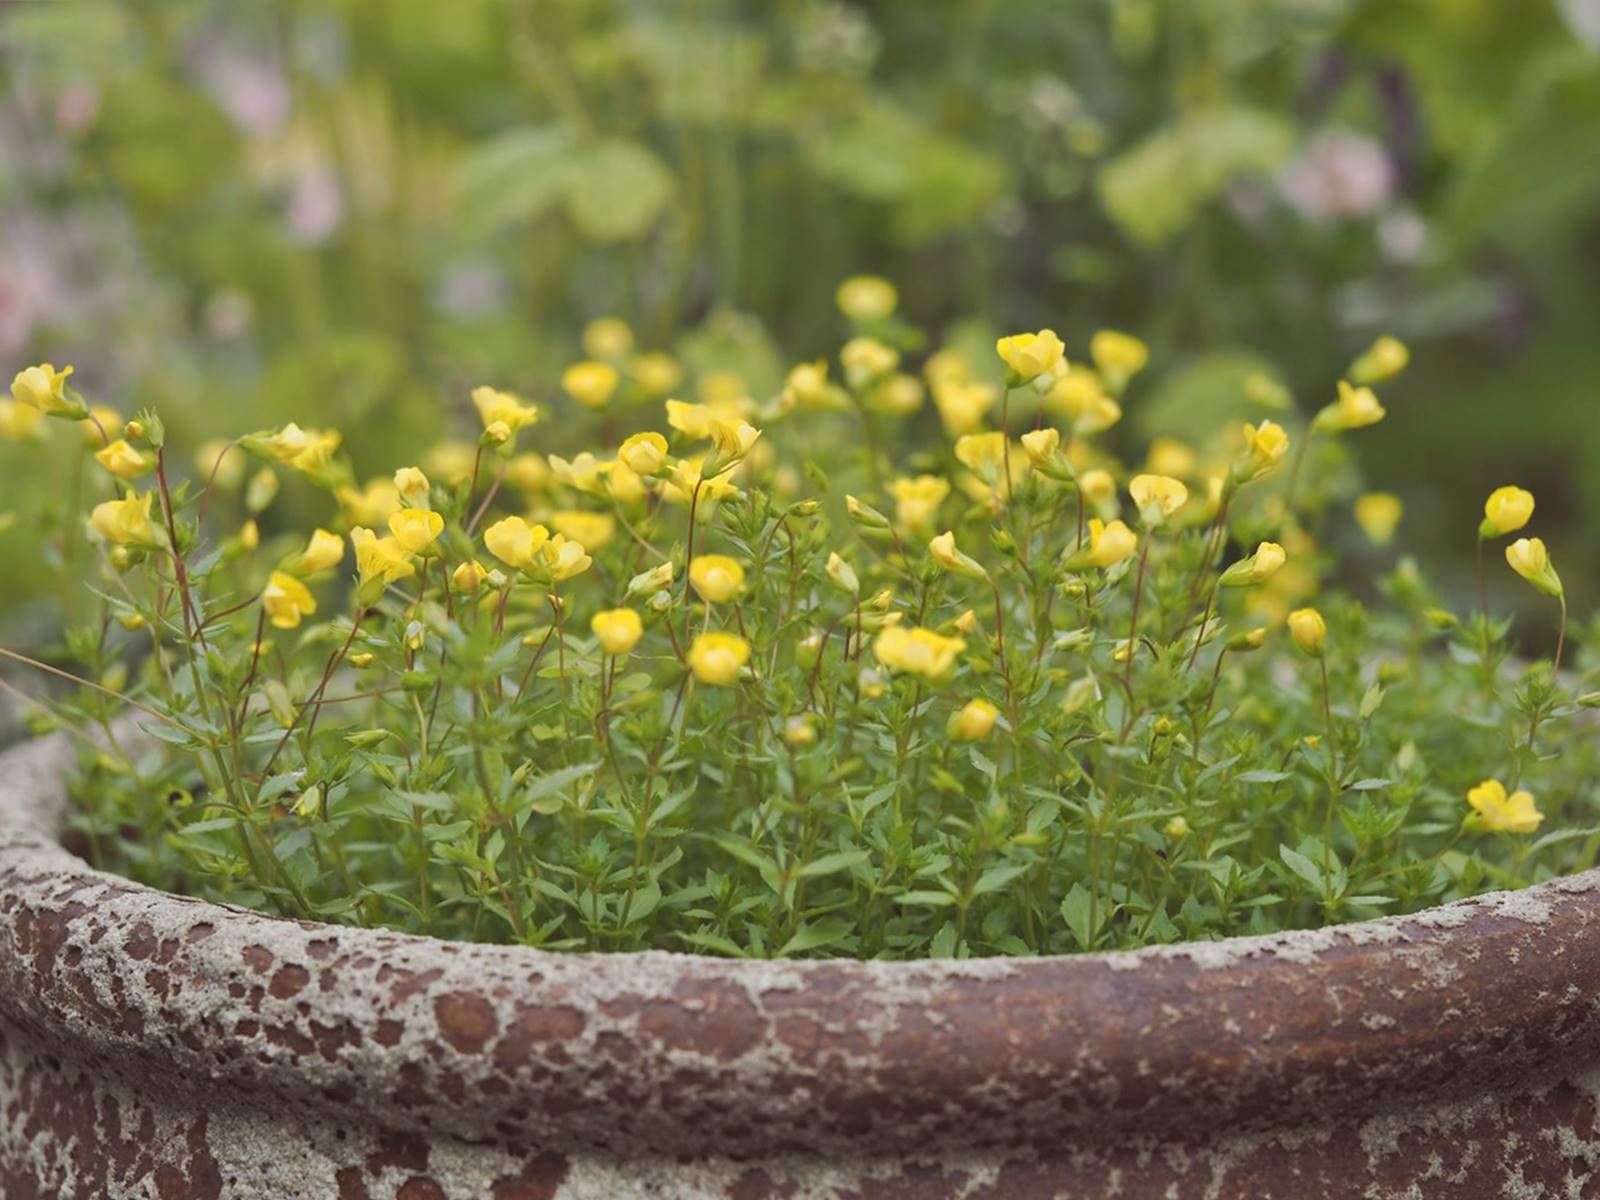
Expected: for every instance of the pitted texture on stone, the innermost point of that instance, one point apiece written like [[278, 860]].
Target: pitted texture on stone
[[542, 1069]]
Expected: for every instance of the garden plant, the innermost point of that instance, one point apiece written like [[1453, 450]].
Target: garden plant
[[897, 662]]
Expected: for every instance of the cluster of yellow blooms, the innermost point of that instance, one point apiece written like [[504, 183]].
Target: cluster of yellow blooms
[[396, 532]]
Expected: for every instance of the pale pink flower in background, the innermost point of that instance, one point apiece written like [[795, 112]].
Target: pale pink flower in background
[[229, 314], [1340, 174], [31, 287], [315, 206], [252, 91], [77, 107]]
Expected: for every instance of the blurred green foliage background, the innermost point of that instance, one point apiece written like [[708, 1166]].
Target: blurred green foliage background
[[346, 212]]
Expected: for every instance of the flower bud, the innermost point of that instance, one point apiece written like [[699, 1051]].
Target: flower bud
[[1529, 558], [1505, 511], [973, 722], [1308, 630], [842, 575]]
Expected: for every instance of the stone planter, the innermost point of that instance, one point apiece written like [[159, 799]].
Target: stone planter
[[158, 1047]]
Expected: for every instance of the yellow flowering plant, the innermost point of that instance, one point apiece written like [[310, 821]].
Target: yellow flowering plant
[[819, 672]]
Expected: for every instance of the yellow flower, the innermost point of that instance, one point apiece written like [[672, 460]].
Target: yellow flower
[[687, 478], [716, 577], [585, 472], [564, 558], [899, 395], [284, 445], [503, 408], [617, 629], [1356, 408], [962, 405], [372, 505], [416, 528], [125, 522], [590, 383], [644, 454], [1157, 497], [917, 500], [1506, 510], [1378, 513], [1080, 397], [1029, 355], [1259, 567], [1042, 445], [1265, 446], [656, 373], [1308, 629], [1106, 546], [1500, 813], [19, 422], [806, 384], [469, 576], [514, 542], [621, 482], [608, 338], [123, 461], [249, 535], [866, 359], [45, 388], [973, 722], [379, 562], [943, 549], [412, 486], [1098, 487], [717, 658], [1529, 558], [1119, 356], [866, 298], [691, 420], [983, 453], [919, 651], [733, 439], [1384, 359], [105, 421], [946, 367], [528, 473], [592, 529], [1169, 456], [323, 551], [286, 600], [315, 457]]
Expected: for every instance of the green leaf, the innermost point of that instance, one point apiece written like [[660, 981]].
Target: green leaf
[[543, 794], [1262, 777], [277, 785], [614, 189], [1155, 190], [843, 860], [1302, 866], [998, 877], [815, 935], [1076, 909], [511, 178], [925, 899]]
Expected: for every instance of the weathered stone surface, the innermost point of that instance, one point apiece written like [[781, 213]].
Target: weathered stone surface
[[153, 1046]]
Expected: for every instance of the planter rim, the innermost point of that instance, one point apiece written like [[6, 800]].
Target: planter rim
[[644, 1052]]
